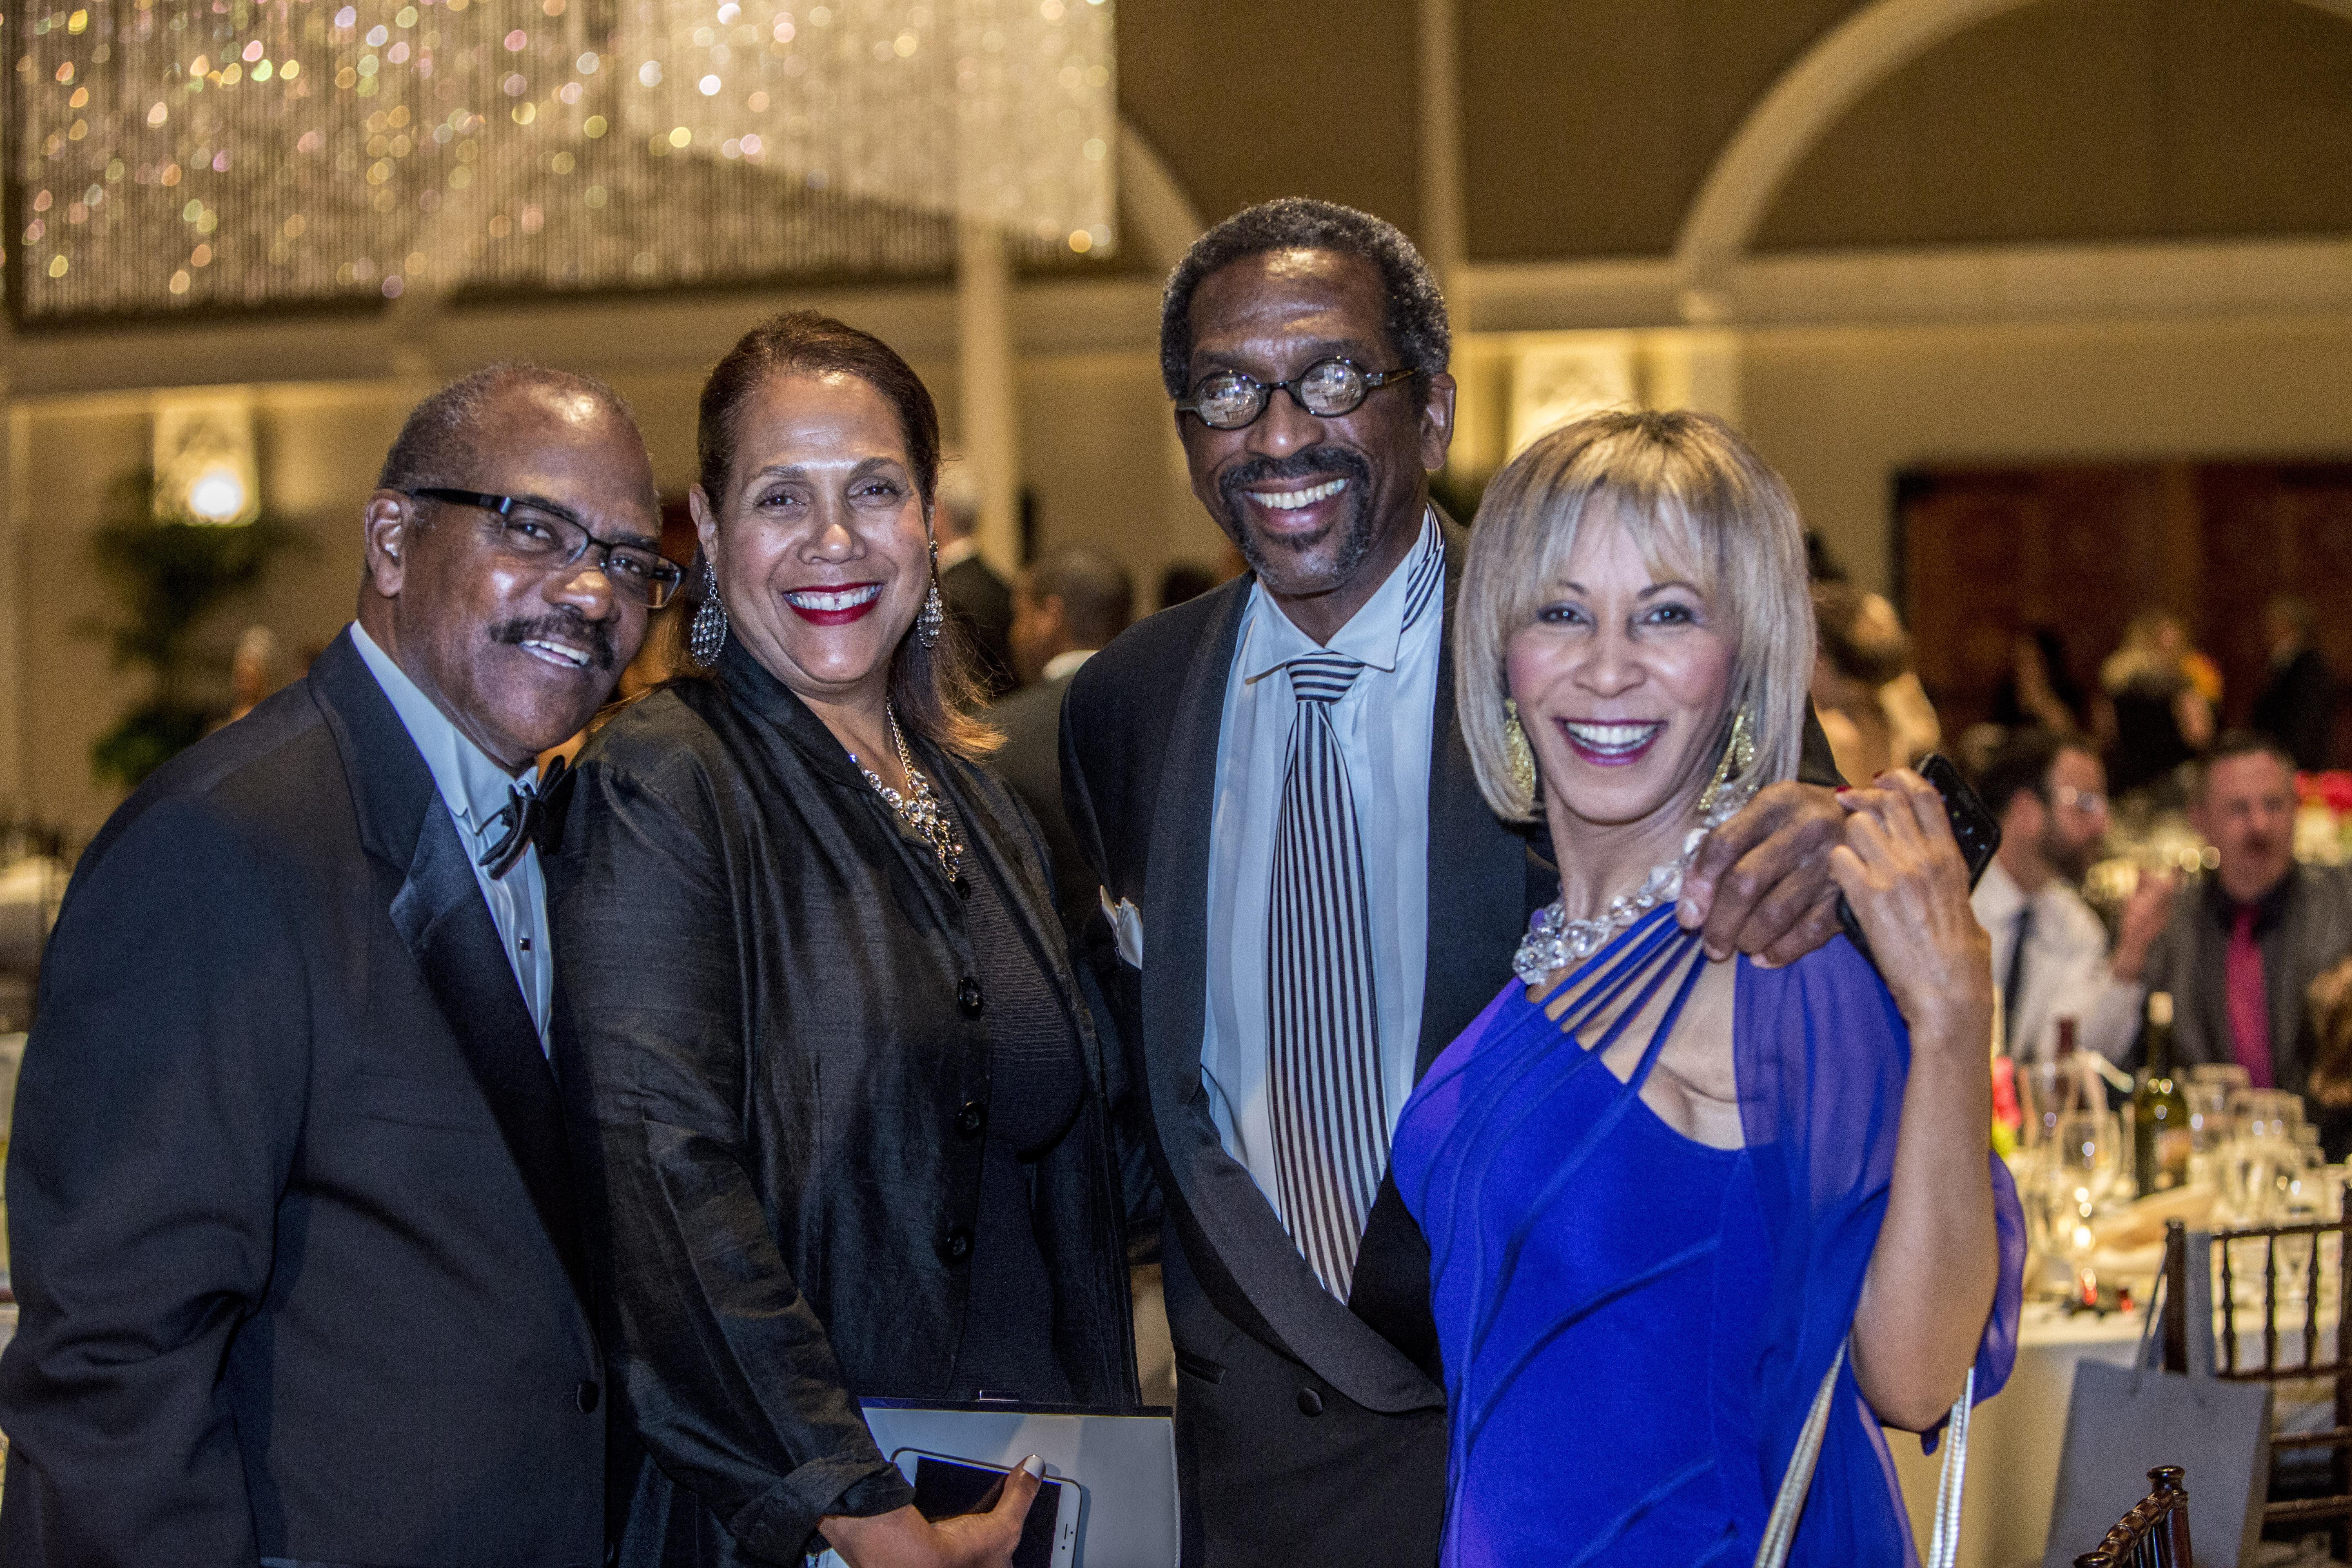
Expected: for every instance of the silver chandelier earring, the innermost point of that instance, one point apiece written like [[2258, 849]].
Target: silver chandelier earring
[[708, 632], [934, 616]]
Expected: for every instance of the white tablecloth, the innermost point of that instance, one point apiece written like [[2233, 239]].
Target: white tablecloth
[[2014, 1440]]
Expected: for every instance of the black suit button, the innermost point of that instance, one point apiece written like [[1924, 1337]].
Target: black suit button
[[968, 997], [963, 888], [585, 1396], [1309, 1403], [958, 1245], [971, 1119]]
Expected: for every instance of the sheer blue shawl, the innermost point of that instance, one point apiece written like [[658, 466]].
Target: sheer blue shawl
[[1821, 1054]]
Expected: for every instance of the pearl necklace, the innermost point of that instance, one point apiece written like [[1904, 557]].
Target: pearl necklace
[[919, 807], [1555, 943]]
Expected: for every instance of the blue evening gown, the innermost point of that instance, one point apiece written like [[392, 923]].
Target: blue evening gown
[[1633, 1324]]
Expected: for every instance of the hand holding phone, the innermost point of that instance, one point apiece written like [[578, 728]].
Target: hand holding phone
[[1974, 828], [946, 1488], [980, 1517]]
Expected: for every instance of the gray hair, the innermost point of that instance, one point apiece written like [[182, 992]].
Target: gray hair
[[1693, 492], [437, 440], [1416, 321]]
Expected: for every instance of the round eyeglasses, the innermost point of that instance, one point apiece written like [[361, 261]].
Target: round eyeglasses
[[548, 537], [1229, 400]]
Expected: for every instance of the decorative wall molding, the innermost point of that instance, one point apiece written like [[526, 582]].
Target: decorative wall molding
[[1795, 113], [1945, 285], [1162, 221]]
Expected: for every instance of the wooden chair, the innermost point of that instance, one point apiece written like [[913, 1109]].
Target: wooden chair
[[2154, 1534], [2190, 1345]]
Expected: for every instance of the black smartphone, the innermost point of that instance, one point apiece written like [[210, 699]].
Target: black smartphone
[[946, 1487], [1974, 828]]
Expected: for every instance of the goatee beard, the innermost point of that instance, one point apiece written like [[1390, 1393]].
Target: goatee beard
[[1358, 532]]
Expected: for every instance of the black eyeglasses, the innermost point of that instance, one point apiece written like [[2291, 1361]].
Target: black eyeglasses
[[1228, 400], [535, 532]]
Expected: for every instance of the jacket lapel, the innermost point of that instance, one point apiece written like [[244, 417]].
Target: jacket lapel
[[447, 930], [1244, 1259]]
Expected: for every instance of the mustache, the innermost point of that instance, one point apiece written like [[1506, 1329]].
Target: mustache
[[1305, 463], [569, 624]]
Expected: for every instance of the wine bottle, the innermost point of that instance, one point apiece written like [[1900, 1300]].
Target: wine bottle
[[2160, 1111]]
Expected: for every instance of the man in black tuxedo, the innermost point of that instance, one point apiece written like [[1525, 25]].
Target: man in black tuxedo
[[291, 1215], [1306, 346]]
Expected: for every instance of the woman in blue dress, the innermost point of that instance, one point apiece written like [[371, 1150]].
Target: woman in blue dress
[[1670, 1198]]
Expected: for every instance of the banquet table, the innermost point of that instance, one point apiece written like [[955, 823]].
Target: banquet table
[[2014, 1439]]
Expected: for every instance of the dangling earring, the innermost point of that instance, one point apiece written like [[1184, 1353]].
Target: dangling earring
[[1738, 756], [708, 635], [934, 615], [1517, 755]]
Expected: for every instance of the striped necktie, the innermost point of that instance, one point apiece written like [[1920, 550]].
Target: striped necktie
[[1329, 1104]]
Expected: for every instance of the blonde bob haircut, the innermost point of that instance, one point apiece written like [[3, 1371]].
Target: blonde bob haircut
[[1702, 505]]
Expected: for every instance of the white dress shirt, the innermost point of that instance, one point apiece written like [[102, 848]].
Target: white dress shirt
[[1383, 727], [2066, 969], [475, 790]]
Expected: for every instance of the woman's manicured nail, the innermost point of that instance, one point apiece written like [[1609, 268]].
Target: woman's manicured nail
[[1034, 1467]]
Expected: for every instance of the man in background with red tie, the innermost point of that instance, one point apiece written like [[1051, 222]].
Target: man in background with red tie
[[2241, 952]]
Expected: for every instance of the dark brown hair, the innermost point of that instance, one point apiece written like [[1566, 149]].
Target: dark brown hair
[[932, 689]]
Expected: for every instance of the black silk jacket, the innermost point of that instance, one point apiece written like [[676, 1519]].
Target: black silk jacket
[[770, 1031]]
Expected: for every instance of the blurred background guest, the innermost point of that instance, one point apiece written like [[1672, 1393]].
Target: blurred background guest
[[2297, 706], [255, 670], [1068, 604], [2039, 692], [841, 1125], [1872, 706], [979, 602], [2050, 952], [2240, 955], [2155, 714]]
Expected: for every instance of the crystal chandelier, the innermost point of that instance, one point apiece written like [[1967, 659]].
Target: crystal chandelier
[[173, 153]]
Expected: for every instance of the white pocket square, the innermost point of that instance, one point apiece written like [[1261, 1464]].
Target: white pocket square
[[1127, 925]]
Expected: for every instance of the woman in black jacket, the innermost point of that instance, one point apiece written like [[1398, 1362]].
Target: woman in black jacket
[[842, 1124]]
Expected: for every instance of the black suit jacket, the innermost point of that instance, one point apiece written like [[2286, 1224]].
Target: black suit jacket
[[1307, 1431], [1031, 762], [290, 1210]]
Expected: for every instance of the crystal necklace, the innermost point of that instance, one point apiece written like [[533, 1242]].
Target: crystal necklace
[[1554, 942], [919, 808]]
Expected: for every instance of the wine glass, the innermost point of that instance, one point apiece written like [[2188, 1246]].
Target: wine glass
[[2079, 1180], [2261, 1156], [2208, 1091]]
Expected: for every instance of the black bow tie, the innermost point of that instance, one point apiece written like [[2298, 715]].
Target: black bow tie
[[529, 816]]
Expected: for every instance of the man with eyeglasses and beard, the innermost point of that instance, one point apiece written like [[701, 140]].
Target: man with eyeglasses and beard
[[2051, 957], [1305, 899], [293, 1223]]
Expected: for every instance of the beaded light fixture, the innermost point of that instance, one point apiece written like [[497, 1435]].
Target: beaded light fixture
[[172, 154]]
